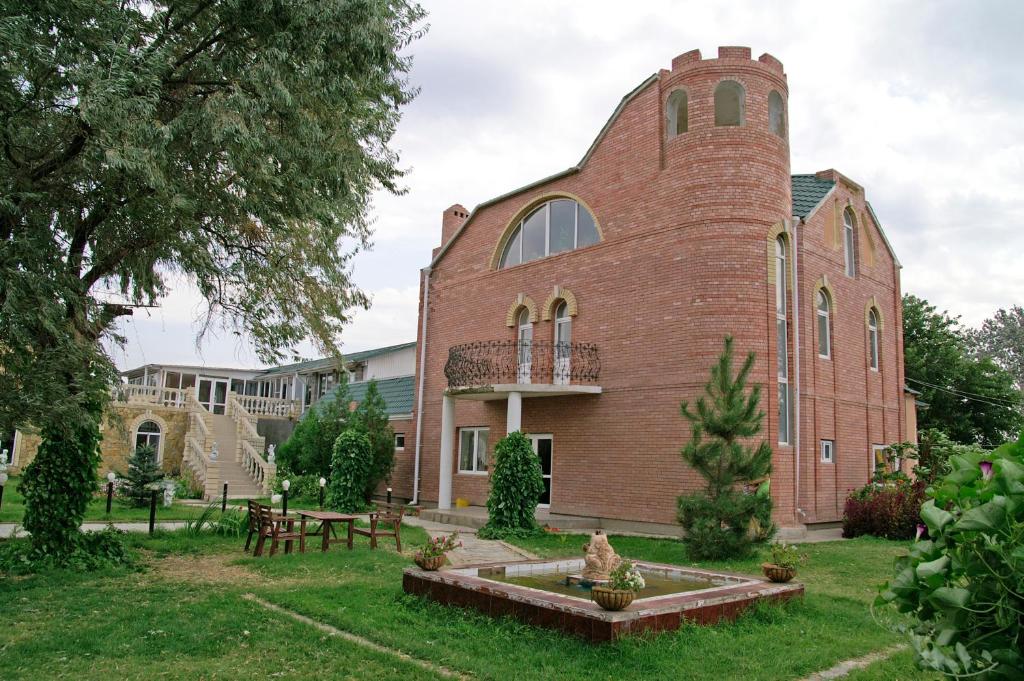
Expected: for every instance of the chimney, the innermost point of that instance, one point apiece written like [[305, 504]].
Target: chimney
[[451, 220]]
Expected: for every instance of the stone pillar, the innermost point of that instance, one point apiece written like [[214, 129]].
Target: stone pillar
[[514, 417], [444, 485]]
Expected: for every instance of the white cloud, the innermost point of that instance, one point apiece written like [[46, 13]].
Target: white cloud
[[919, 103]]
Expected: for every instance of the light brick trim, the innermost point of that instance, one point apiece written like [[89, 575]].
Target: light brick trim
[[824, 285], [873, 303], [522, 300], [558, 295], [499, 248], [774, 233], [867, 242]]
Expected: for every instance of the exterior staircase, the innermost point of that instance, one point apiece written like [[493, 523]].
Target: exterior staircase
[[240, 484]]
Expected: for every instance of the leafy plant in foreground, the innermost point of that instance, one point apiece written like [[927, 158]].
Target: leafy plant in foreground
[[350, 467], [516, 485], [964, 584]]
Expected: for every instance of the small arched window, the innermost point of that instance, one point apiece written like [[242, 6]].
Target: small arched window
[[849, 253], [729, 103], [677, 115], [550, 228], [148, 435], [873, 339], [524, 346], [776, 114], [824, 312]]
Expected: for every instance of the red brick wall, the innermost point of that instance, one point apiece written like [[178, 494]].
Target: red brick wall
[[682, 263]]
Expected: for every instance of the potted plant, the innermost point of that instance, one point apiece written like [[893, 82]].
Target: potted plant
[[623, 583], [784, 559], [432, 555]]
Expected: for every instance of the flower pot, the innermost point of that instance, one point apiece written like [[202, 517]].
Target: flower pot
[[778, 574], [430, 564], [611, 599]]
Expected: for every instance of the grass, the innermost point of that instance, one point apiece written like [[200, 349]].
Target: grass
[[185, 618]]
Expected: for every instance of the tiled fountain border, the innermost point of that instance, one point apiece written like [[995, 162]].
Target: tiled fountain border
[[460, 587]]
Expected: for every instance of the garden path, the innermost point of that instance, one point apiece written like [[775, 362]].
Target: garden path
[[474, 549]]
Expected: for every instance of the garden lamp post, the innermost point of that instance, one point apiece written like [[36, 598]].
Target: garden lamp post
[[110, 489], [389, 495], [323, 483], [284, 499], [3, 483]]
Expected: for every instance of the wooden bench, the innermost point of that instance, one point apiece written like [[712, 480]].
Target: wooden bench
[[386, 521], [266, 525]]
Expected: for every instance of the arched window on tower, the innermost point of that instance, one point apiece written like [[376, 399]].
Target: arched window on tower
[[677, 115], [782, 339], [776, 114], [729, 103], [824, 312]]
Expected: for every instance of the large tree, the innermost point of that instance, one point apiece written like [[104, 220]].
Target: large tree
[[235, 144], [1001, 339], [971, 399]]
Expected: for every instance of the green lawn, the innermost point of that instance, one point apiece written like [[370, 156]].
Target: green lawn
[[14, 508], [184, 617]]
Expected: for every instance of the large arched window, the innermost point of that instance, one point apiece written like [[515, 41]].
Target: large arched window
[[848, 243], [873, 339], [552, 227], [824, 312], [776, 114], [782, 338], [729, 103], [148, 435], [677, 114]]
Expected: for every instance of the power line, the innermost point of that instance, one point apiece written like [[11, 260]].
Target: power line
[[972, 397]]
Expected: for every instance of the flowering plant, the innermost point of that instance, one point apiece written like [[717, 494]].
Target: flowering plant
[[626, 577], [786, 556], [438, 546]]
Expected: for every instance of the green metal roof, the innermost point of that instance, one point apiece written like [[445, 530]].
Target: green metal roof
[[397, 393], [329, 362], [808, 191]]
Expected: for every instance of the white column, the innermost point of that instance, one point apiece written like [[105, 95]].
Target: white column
[[514, 418], [444, 485]]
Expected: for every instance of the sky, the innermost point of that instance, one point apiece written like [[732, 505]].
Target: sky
[[918, 102]]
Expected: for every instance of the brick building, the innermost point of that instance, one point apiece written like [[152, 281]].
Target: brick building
[[583, 308]]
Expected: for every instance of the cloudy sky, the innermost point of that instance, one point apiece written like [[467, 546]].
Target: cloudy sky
[[919, 102]]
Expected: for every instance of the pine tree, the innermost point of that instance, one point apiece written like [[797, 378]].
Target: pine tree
[[143, 470], [372, 418], [717, 522]]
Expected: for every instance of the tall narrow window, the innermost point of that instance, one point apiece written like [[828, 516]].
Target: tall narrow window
[[776, 114], [563, 340], [782, 349], [676, 113], [849, 252], [873, 338], [524, 347], [729, 103], [824, 325]]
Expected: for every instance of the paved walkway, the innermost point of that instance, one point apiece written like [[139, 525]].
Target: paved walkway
[[473, 550], [7, 529]]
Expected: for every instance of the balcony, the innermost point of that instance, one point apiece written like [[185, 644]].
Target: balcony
[[486, 370]]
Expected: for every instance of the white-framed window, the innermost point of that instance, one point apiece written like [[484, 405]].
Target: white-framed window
[[824, 313], [879, 459], [782, 348], [873, 339], [563, 345], [550, 228], [399, 441], [148, 434], [473, 450], [828, 451], [848, 243]]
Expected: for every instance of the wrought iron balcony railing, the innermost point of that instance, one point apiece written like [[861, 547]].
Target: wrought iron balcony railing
[[525, 362]]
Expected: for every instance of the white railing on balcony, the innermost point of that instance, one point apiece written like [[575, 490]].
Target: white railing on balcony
[[261, 472], [250, 442], [268, 406], [152, 395], [206, 470]]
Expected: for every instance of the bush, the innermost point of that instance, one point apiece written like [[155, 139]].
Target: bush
[[964, 585], [350, 468], [143, 471], [516, 484], [890, 511], [305, 487], [309, 449], [723, 520], [372, 418], [88, 551], [934, 451]]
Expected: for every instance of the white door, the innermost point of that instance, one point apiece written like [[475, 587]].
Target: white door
[[524, 348], [563, 338], [212, 393], [543, 447]]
